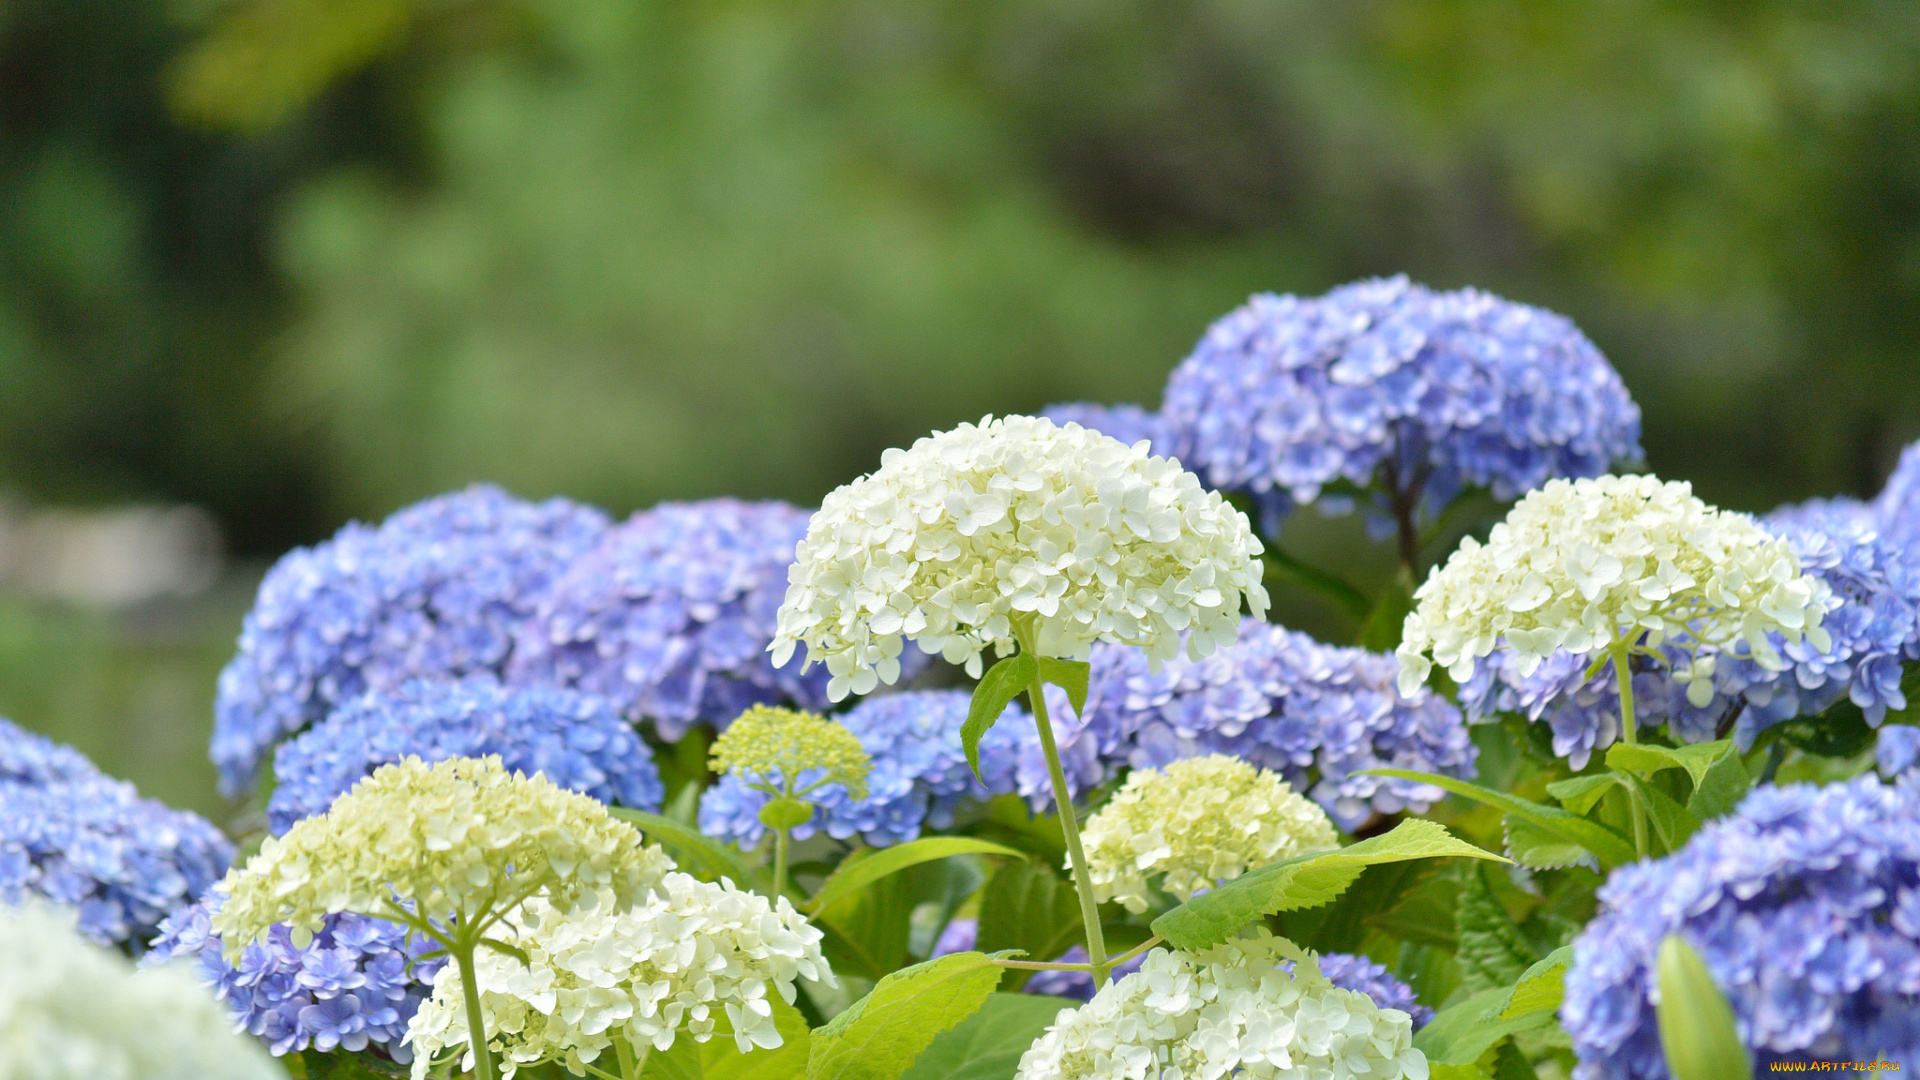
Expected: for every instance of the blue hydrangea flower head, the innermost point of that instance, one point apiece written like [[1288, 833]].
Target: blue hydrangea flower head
[[1317, 714], [669, 617], [94, 845], [28, 758], [1387, 384], [1897, 749], [1805, 905], [1128, 423], [355, 985], [1896, 509], [579, 742], [436, 591], [918, 780]]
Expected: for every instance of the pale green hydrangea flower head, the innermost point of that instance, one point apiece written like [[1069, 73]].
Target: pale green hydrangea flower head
[[1227, 1011], [953, 538], [72, 1010], [1197, 823], [692, 954], [458, 839], [776, 748], [1579, 564]]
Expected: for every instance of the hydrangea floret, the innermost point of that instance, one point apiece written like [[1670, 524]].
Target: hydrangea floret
[[438, 590], [29, 758], [790, 757], [446, 850], [1392, 387], [955, 539], [670, 614], [576, 741], [919, 778], [1231, 1010], [1804, 906], [1195, 824], [72, 1010], [691, 955], [354, 986]]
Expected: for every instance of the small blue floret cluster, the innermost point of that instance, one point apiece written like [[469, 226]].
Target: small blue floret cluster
[[1317, 714], [1805, 905], [920, 775], [72, 835]]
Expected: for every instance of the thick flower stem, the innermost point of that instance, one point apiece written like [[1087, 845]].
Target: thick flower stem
[[1089, 908], [631, 1064], [779, 862], [483, 1066], [1628, 734]]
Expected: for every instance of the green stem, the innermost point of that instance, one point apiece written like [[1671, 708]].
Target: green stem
[[631, 1066], [483, 1066], [1089, 907], [1630, 735], [779, 862]]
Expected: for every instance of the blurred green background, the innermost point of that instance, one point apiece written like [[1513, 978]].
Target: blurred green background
[[295, 261]]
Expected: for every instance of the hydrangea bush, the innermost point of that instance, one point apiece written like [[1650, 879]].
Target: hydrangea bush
[[526, 763]]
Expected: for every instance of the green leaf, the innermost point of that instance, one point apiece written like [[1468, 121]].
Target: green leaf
[[1342, 925], [1649, 758], [1580, 794], [1510, 1064], [868, 930], [1671, 821], [338, 1065], [1028, 906], [1437, 1071], [857, 873], [1726, 782], [1538, 849], [1608, 846], [881, 1035], [1003, 682], [1331, 586], [1302, 882], [1540, 988], [988, 1044], [686, 842], [1492, 952], [1463, 1031], [1381, 631], [1423, 915], [1697, 1032], [1068, 675], [719, 1058]]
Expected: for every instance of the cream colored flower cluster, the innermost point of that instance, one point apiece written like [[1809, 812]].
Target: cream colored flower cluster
[[779, 747], [691, 954], [968, 529], [1227, 1011], [71, 1010], [462, 837], [1579, 564], [1197, 822]]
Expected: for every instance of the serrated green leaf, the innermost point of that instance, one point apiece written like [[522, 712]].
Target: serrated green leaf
[[988, 1044], [1579, 794], [1003, 682], [1540, 987], [881, 1035], [1671, 821], [686, 842], [1608, 846], [1463, 1031], [1538, 849], [1726, 782], [1491, 952], [1068, 675], [1301, 882], [1028, 906], [1646, 759], [856, 874]]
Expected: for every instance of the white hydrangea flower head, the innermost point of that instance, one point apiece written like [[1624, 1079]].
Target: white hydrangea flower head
[[1227, 1011], [1579, 564], [72, 1010], [966, 530], [459, 838], [1196, 823], [691, 954]]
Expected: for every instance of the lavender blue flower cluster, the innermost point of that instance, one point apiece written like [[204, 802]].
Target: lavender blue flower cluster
[[1805, 905], [919, 779], [436, 591], [1344, 970], [89, 842], [1897, 749], [355, 985], [1874, 625], [1444, 390], [1128, 423], [578, 742], [1315, 713], [669, 616]]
